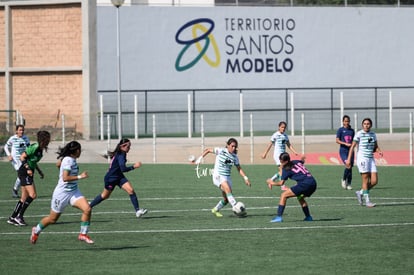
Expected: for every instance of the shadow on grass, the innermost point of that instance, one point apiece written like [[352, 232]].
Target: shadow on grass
[[77, 222], [94, 247], [328, 220], [394, 204]]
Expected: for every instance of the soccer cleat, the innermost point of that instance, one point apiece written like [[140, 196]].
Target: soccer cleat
[[15, 193], [34, 236], [11, 221], [20, 221], [308, 219], [370, 204], [277, 219], [359, 197], [85, 238], [343, 184], [284, 187], [216, 213], [141, 212], [348, 187]]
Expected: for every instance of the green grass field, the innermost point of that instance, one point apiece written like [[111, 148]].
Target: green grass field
[[179, 235]]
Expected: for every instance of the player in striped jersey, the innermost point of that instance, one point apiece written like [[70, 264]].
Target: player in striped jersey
[[279, 140], [17, 143], [67, 193], [225, 159], [367, 143]]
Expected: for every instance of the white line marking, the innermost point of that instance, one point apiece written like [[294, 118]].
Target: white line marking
[[201, 230]]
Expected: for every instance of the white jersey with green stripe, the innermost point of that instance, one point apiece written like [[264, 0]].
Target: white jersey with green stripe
[[68, 164], [224, 161], [279, 140], [366, 143]]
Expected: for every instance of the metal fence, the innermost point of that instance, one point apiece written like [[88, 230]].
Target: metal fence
[[178, 112]]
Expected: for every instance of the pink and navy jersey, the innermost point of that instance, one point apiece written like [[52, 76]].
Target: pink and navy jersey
[[345, 135], [117, 167], [298, 173]]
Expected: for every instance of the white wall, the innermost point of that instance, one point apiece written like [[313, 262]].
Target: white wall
[[319, 47]]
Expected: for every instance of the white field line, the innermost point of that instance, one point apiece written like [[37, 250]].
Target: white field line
[[201, 230], [396, 201], [126, 198]]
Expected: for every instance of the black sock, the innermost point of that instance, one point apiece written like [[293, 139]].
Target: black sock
[[17, 209], [25, 205]]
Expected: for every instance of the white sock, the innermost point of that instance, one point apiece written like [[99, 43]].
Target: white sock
[[17, 184], [219, 205], [276, 177], [231, 199]]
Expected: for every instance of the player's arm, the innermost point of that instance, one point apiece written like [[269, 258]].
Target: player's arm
[[121, 158], [271, 183], [351, 150], [267, 150], [290, 146], [378, 150], [23, 157], [243, 174], [67, 177], [7, 151], [205, 153], [40, 172]]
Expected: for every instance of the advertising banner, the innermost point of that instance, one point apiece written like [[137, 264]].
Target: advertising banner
[[256, 47]]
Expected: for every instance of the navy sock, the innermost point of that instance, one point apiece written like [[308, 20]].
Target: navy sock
[[306, 211], [97, 200], [134, 199], [280, 210]]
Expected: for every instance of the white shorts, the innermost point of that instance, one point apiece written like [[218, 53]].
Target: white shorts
[[16, 163], [277, 160], [62, 199], [218, 180], [366, 165]]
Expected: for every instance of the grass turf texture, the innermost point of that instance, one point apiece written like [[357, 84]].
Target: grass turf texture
[[179, 235]]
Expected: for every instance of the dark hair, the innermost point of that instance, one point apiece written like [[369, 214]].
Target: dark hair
[[367, 118], [18, 126], [118, 147], [286, 157], [347, 117], [43, 138], [68, 150], [282, 122], [233, 140]]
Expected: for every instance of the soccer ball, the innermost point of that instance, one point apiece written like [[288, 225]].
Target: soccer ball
[[239, 209]]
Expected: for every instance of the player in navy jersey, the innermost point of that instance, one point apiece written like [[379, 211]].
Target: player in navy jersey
[[13, 148], [344, 137], [115, 177], [305, 185], [367, 143]]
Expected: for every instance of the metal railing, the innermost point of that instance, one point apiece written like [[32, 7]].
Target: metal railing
[[230, 110]]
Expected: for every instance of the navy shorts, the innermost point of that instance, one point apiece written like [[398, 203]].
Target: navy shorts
[[344, 157], [306, 188], [112, 184]]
